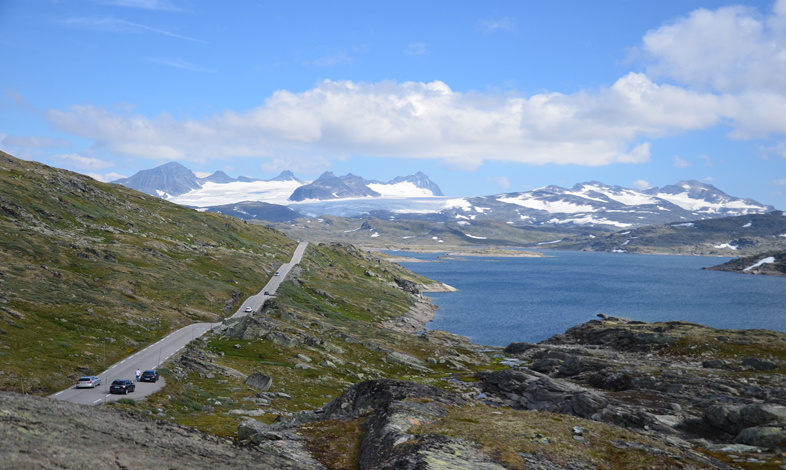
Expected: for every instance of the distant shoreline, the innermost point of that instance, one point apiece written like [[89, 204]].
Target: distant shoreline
[[455, 253]]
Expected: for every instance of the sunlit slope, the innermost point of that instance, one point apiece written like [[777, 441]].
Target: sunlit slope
[[90, 272]]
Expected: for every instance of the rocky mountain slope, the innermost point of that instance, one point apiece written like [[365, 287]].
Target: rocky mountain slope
[[726, 236], [586, 205]]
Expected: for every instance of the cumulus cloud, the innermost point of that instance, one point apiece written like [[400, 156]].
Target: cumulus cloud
[[718, 67], [730, 49], [413, 120]]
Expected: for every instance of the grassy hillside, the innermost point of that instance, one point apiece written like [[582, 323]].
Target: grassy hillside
[[90, 272], [321, 334]]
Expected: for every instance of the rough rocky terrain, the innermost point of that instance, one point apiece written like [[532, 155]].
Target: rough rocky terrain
[[41, 433]]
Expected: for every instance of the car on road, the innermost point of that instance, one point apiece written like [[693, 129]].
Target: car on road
[[248, 309], [149, 376], [278, 273], [267, 293], [122, 386], [88, 381]]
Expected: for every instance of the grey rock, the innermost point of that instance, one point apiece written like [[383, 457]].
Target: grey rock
[[768, 436], [759, 364], [259, 381], [59, 434]]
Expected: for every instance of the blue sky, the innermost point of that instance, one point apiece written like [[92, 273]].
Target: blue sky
[[484, 97]]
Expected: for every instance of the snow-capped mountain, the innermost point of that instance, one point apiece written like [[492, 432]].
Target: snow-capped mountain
[[591, 204], [595, 203]]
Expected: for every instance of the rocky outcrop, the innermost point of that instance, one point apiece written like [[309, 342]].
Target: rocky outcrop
[[676, 380], [38, 432], [390, 408]]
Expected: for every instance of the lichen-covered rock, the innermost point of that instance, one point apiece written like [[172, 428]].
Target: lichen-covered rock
[[767, 436], [259, 381]]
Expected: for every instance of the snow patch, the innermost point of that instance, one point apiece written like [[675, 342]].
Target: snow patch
[[768, 260], [726, 245], [747, 225], [375, 234], [589, 220], [402, 189], [686, 224], [217, 194], [473, 236], [548, 206]]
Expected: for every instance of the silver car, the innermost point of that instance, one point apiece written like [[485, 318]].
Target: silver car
[[88, 381]]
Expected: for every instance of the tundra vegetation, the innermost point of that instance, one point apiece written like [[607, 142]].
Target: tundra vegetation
[[335, 371]]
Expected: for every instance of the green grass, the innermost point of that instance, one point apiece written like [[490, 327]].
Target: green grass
[[106, 270]]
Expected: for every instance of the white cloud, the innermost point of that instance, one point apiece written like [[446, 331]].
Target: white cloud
[[730, 49], [416, 48], [779, 182], [723, 66], [493, 25], [82, 162], [32, 141], [680, 163], [412, 120], [502, 181], [640, 184], [106, 178]]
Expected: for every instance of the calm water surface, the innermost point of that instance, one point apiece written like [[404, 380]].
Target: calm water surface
[[501, 300]]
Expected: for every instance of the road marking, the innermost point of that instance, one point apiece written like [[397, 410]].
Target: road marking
[[97, 400]]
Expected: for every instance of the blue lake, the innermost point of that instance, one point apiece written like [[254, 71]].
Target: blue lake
[[501, 300]]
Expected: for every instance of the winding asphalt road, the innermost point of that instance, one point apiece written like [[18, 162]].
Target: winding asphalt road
[[154, 355]]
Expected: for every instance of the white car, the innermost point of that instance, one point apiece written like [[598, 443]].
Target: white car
[[88, 381], [248, 309], [278, 273]]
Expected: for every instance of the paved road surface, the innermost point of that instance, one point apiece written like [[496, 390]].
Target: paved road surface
[[156, 354]]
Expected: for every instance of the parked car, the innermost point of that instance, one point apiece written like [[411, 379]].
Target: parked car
[[267, 293], [122, 386], [248, 309], [88, 381], [149, 376]]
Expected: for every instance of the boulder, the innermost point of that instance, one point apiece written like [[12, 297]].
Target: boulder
[[259, 381], [759, 364], [735, 418], [768, 436]]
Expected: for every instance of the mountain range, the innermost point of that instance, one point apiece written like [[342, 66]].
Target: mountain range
[[586, 205]]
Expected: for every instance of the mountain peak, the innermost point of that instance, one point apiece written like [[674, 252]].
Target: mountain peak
[[285, 175], [169, 179]]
